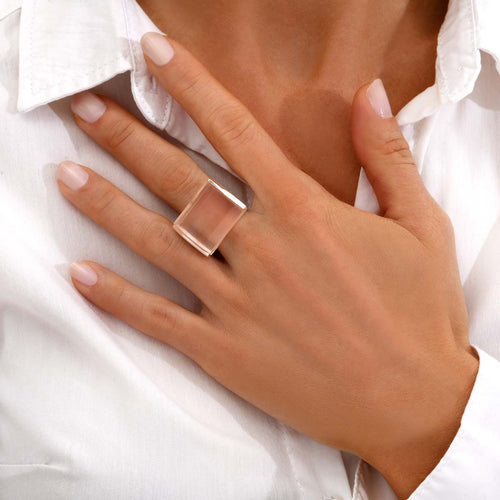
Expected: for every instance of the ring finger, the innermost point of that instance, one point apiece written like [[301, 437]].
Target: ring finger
[[147, 233]]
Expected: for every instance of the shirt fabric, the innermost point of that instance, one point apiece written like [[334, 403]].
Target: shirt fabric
[[92, 408]]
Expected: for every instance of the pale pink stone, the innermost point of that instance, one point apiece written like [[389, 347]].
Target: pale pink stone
[[209, 217]]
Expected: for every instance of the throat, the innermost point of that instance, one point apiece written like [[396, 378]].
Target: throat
[[297, 65]]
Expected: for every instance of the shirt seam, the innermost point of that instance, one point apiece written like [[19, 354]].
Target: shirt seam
[[291, 459], [5, 15], [472, 39], [472, 74], [30, 46], [473, 34], [71, 81], [134, 84], [359, 487]]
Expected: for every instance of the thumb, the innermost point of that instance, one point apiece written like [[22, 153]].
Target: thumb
[[386, 158]]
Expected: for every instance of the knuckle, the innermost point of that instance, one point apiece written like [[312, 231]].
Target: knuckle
[[288, 204], [438, 225], [177, 179], [272, 266], [444, 224], [297, 196], [252, 240], [157, 240], [265, 256], [100, 204], [159, 316], [121, 297], [301, 210], [188, 83], [237, 300], [397, 147], [120, 133], [232, 123], [330, 220], [243, 229]]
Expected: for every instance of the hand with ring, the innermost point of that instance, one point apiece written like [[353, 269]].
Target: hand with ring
[[348, 326]]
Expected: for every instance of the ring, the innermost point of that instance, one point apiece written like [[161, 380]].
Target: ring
[[208, 217]]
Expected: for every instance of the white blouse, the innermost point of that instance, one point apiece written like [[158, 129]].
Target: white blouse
[[89, 407]]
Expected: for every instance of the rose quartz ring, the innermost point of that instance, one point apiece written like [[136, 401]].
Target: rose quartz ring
[[208, 217]]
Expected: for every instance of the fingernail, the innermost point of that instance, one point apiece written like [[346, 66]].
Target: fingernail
[[157, 48], [378, 99], [88, 106], [72, 175], [83, 273]]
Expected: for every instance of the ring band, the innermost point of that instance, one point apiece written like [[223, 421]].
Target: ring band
[[208, 217]]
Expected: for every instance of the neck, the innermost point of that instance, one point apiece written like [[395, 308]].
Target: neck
[[296, 64], [297, 40]]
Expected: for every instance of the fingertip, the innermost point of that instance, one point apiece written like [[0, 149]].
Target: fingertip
[[363, 121], [88, 106], [378, 99], [157, 48], [83, 273], [372, 118], [373, 98], [71, 175], [361, 92]]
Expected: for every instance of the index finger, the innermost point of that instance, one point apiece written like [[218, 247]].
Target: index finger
[[223, 119]]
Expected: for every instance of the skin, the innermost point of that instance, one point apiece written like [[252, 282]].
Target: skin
[[375, 358], [297, 65]]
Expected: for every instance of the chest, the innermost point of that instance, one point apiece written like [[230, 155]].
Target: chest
[[310, 121], [312, 126]]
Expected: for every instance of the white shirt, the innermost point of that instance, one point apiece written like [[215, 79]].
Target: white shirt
[[89, 407]]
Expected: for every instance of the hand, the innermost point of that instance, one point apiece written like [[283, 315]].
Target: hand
[[348, 326]]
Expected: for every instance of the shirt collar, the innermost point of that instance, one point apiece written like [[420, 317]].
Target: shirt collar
[[469, 27], [98, 40], [95, 41]]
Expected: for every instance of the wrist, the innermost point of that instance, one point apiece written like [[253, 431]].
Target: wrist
[[405, 465]]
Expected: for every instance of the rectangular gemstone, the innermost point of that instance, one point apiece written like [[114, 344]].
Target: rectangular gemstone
[[208, 217]]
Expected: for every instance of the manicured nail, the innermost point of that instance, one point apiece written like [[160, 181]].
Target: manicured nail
[[378, 99], [72, 175], [88, 106], [157, 48], [83, 273]]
